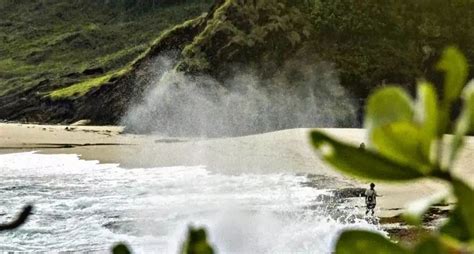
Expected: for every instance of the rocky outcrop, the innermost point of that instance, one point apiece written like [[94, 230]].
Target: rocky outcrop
[[246, 32]]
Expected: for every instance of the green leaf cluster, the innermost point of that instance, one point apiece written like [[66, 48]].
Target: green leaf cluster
[[195, 243], [405, 142]]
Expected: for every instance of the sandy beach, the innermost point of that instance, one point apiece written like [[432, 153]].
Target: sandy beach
[[286, 151]]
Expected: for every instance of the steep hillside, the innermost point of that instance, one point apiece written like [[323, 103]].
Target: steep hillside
[[103, 61], [52, 44], [65, 42]]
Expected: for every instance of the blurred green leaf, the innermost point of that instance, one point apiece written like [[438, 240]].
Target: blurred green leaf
[[402, 142], [388, 105], [361, 163], [392, 131], [427, 116], [468, 98], [465, 122], [196, 242], [454, 64], [456, 227], [465, 196], [461, 222], [364, 242], [415, 210], [120, 248], [430, 245]]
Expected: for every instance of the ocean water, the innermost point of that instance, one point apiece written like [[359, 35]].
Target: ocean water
[[85, 206]]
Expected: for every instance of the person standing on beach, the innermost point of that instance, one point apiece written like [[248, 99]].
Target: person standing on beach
[[370, 199]]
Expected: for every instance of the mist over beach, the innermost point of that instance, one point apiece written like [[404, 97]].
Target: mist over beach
[[300, 95]]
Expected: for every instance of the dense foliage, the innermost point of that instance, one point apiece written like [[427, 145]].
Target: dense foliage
[[252, 32], [375, 42], [371, 42]]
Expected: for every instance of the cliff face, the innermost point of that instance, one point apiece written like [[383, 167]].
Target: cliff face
[[368, 42]]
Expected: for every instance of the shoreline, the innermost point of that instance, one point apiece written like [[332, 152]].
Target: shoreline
[[285, 151]]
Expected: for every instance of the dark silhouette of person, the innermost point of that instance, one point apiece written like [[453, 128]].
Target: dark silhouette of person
[[371, 199]]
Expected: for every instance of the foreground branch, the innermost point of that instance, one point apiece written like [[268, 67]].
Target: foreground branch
[[19, 221]]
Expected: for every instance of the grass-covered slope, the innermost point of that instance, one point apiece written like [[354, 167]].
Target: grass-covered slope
[[77, 44], [66, 60]]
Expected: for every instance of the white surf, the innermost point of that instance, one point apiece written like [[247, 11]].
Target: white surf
[[86, 206]]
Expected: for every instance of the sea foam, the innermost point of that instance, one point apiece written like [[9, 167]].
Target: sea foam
[[83, 205]]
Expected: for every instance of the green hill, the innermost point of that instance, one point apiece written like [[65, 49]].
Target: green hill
[[60, 43], [66, 60]]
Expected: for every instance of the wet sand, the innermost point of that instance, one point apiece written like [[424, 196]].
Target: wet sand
[[286, 151]]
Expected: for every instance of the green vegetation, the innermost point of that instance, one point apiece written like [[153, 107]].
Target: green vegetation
[[47, 46], [405, 143], [195, 243], [370, 42], [69, 43], [246, 32], [81, 88]]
